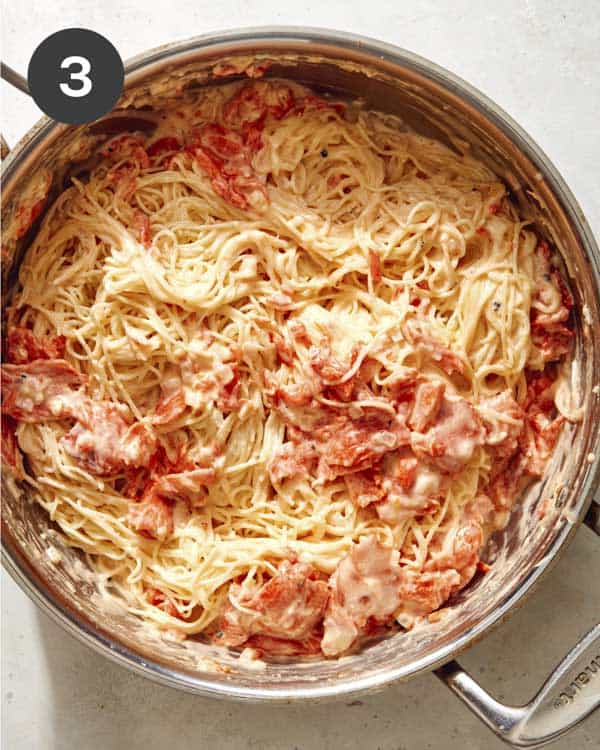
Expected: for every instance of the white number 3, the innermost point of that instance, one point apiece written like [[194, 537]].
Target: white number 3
[[79, 75]]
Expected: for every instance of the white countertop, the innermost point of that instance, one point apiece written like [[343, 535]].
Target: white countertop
[[539, 60]]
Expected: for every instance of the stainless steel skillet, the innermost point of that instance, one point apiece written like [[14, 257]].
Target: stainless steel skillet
[[436, 103]]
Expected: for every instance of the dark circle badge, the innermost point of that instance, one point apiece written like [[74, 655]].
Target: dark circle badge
[[75, 76]]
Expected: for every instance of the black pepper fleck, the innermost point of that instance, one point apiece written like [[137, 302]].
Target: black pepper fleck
[[324, 152], [496, 306]]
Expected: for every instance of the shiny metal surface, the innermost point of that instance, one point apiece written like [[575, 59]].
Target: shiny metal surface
[[436, 103], [571, 692]]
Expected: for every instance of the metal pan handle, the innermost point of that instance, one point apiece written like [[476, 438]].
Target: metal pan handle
[[571, 692], [17, 81]]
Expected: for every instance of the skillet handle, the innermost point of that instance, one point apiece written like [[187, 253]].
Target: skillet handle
[[17, 81], [571, 692]]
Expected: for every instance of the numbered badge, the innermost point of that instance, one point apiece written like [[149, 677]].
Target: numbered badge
[[75, 76]]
